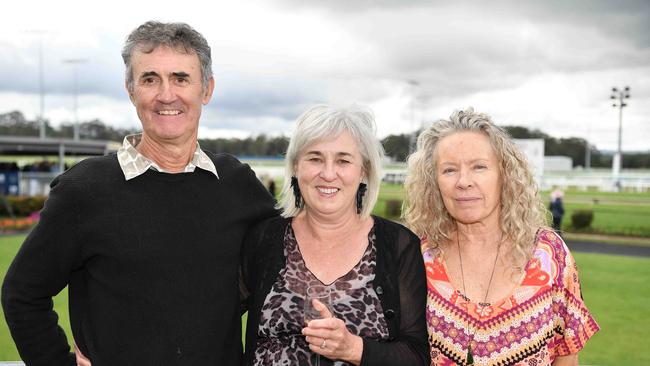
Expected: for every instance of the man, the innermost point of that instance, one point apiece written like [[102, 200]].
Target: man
[[147, 239]]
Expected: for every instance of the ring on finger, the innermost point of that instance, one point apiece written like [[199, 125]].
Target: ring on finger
[[324, 344]]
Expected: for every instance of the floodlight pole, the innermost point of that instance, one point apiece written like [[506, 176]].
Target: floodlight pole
[[588, 156], [617, 161], [74, 63], [412, 139], [41, 82], [588, 149], [41, 91]]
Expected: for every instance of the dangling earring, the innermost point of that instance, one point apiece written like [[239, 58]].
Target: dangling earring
[[296, 191], [360, 193]]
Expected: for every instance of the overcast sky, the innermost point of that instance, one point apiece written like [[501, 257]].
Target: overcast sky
[[548, 65]]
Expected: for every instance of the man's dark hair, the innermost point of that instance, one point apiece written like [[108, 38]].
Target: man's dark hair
[[177, 36]]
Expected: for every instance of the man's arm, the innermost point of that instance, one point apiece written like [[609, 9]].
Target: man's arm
[[40, 270], [263, 207]]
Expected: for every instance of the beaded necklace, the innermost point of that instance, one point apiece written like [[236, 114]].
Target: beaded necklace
[[470, 356]]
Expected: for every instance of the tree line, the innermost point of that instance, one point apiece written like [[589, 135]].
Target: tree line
[[396, 146]]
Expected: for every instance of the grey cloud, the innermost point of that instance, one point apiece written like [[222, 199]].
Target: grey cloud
[[459, 49], [357, 6], [251, 124], [630, 11], [100, 73], [237, 94]]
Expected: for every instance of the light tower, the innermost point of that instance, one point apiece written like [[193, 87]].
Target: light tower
[[619, 97], [74, 62], [41, 86], [413, 84]]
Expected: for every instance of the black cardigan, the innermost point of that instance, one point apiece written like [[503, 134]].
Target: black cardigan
[[399, 282]]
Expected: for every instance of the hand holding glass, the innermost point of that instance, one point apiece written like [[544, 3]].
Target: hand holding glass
[[321, 293]]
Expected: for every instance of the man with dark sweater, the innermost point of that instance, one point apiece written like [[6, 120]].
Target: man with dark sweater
[[148, 239]]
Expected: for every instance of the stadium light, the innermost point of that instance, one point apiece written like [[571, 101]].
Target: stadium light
[[74, 62], [619, 96]]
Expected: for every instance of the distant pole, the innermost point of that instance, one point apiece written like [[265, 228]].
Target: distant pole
[[74, 62], [617, 162], [41, 82], [587, 156], [41, 91], [412, 139], [588, 149]]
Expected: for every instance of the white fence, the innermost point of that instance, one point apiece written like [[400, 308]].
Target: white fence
[[631, 182], [37, 183], [604, 183]]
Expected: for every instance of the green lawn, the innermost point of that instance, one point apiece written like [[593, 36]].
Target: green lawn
[[614, 218], [615, 290], [8, 247], [632, 197]]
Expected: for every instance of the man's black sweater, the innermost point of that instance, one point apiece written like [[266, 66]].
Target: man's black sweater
[[151, 264]]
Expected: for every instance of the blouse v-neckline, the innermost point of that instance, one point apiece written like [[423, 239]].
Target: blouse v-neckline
[[292, 233], [494, 303]]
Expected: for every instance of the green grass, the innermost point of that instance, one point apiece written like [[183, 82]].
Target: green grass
[[633, 197], [614, 219], [616, 291], [614, 288], [625, 213], [8, 247]]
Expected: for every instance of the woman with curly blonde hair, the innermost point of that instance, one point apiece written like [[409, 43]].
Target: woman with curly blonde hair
[[502, 287]]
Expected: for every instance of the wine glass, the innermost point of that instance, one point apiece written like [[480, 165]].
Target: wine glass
[[321, 293]]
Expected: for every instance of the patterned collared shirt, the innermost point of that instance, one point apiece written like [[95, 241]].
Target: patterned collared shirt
[[134, 164]]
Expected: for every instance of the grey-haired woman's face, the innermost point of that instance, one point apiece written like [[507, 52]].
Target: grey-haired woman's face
[[329, 173]]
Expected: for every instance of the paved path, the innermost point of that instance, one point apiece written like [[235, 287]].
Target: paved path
[[603, 248], [578, 246]]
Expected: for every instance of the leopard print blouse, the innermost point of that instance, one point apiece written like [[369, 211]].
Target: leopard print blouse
[[280, 341]]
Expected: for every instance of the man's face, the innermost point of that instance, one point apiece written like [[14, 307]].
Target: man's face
[[167, 94]]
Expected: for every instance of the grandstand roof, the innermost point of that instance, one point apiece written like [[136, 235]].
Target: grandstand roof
[[28, 145]]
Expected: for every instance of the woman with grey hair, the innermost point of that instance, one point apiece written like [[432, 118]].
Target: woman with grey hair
[[369, 269], [503, 288]]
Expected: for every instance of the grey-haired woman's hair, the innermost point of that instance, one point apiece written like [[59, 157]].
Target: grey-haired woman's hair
[[522, 211], [177, 36], [323, 123]]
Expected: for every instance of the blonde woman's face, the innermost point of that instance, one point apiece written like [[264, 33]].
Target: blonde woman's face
[[467, 172]]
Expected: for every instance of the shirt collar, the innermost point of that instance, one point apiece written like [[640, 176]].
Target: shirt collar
[[134, 164]]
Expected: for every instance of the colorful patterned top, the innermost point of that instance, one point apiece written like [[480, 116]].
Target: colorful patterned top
[[544, 317]]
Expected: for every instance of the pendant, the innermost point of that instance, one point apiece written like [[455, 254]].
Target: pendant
[[470, 358]]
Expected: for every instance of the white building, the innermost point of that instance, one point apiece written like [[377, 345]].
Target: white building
[[558, 164]]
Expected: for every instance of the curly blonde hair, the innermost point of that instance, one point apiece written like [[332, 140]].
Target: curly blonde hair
[[522, 211]]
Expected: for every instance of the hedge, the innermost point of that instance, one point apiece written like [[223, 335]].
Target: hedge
[[22, 206]]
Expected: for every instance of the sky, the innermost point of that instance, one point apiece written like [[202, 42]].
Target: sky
[[546, 64]]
